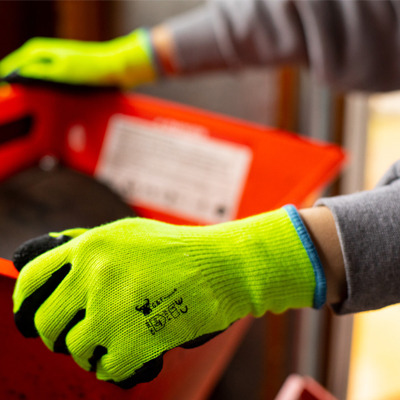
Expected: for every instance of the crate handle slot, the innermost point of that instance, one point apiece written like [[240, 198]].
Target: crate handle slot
[[18, 128]]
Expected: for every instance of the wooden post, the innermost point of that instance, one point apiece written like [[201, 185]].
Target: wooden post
[[84, 20]]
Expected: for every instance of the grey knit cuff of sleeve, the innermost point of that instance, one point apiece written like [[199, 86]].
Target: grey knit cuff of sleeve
[[368, 225]]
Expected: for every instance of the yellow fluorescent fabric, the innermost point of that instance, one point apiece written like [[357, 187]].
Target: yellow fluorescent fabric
[[125, 62], [148, 286]]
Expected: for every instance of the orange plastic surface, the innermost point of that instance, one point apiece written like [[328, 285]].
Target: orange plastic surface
[[285, 168], [7, 268]]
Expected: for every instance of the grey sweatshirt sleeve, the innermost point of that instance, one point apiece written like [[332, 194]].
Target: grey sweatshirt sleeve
[[346, 43], [368, 225]]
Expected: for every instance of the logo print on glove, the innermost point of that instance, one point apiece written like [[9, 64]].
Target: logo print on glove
[[145, 308], [159, 321]]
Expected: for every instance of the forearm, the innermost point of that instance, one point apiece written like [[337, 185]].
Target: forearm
[[322, 230], [165, 50]]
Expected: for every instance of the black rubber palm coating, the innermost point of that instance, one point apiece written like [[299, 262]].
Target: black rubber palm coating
[[147, 373], [25, 317], [152, 368], [35, 247], [60, 345], [99, 352]]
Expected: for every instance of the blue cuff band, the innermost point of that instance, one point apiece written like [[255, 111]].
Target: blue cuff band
[[320, 289]]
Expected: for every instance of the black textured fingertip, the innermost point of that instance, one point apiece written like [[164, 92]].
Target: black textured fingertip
[[35, 247], [99, 352], [24, 318], [13, 77], [60, 345], [147, 373]]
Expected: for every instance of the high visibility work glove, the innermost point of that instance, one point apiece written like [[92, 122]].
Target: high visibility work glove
[[119, 296], [123, 62]]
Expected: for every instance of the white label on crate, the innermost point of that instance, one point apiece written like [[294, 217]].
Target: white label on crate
[[174, 169]]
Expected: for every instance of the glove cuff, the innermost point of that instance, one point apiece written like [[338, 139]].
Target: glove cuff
[[265, 262], [320, 280], [141, 64]]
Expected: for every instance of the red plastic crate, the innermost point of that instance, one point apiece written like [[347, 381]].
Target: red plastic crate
[[281, 168]]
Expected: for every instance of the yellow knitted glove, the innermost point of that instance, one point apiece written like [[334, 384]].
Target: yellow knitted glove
[[119, 296], [124, 62]]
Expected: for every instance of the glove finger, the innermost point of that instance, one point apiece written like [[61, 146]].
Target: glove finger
[[43, 69], [57, 71], [25, 316], [98, 352], [72, 233], [149, 371], [12, 62], [24, 57], [59, 314], [60, 345], [35, 247], [39, 279], [36, 282], [82, 343]]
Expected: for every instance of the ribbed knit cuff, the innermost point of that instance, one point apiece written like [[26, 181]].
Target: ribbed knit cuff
[[320, 288], [141, 65], [257, 264]]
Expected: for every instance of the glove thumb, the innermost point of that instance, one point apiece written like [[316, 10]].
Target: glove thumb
[[39, 245]]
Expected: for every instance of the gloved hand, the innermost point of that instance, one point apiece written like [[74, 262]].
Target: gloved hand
[[119, 296], [124, 62]]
